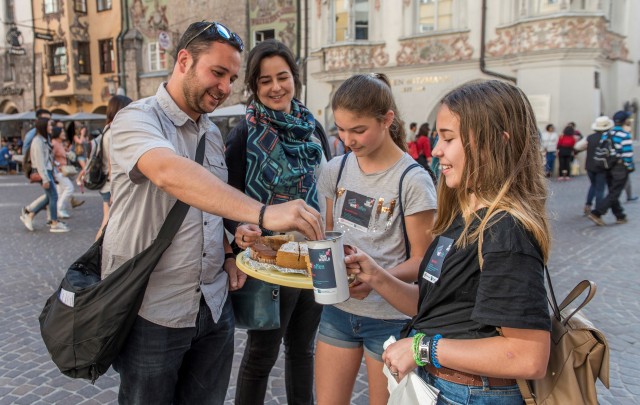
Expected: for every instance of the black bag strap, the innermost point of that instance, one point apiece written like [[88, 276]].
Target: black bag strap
[[407, 245], [342, 163], [179, 211]]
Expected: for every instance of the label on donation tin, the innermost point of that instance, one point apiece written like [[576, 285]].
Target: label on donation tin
[[323, 274]]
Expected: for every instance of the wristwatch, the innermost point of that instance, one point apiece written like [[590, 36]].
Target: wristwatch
[[424, 350]]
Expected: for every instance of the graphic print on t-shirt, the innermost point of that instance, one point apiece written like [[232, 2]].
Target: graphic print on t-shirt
[[356, 210], [434, 265]]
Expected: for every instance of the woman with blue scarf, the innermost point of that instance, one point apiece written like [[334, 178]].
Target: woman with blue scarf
[[274, 156]]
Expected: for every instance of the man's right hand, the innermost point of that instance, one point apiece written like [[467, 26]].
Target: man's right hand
[[294, 216]]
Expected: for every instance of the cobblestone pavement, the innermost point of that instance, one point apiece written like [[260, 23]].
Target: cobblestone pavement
[[32, 264]]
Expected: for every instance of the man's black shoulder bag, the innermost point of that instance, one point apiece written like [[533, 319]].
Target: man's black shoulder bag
[[85, 323]]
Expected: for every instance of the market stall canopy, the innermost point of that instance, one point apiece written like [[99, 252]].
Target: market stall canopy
[[29, 116], [236, 109], [83, 116]]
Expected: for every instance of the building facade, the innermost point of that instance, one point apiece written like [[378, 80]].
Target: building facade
[[16, 54], [77, 54], [574, 59], [152, 31]]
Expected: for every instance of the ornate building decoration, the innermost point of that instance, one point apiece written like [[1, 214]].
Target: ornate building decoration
[[355, 57], [434, 49], [78, 29], [558, 33], [149, 22]]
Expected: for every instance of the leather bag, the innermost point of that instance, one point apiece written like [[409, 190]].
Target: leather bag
[[579, 355], [86, 321], [256, 306]]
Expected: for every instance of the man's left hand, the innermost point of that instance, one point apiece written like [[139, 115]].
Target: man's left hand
[[236, 277]]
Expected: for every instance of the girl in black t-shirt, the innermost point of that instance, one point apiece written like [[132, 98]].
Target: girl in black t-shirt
[[484, 269]]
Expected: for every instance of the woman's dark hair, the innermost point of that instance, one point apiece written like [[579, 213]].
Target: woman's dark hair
[[424, 130], [56, 132], [568, 130], [267, 49], [116, 103], [41, 126], [370, 95]]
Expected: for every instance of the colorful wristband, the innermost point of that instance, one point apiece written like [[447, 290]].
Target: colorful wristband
[[434, 350], [417, 339]]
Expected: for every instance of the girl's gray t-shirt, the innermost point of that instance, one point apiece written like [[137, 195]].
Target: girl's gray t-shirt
[[365, 209]]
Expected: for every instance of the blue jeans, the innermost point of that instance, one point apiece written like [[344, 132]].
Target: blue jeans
[[299, 318], [458, 394], [617, 178], [162, 366], [342, 329], [551, 160], [596, 189], [50, 199]]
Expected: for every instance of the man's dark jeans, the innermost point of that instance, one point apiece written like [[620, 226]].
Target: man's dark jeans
[[616, 180], [299, 319], [161, 365], [597, 188]]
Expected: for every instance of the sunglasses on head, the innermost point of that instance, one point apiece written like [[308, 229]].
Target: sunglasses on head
[[216, 30]]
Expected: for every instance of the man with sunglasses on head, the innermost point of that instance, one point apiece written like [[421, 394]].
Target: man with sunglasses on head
[[180, 349]]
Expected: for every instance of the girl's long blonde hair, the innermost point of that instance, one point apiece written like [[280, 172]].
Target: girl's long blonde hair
[[503, 166]]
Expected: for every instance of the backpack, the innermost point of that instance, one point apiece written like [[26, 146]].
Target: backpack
[[604, 155], [95, 177], [579, 355]]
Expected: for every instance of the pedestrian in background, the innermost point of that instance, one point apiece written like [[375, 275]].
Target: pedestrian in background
[[627, 188], [597, 175], [565, 153], [180, 348], [549, 146], [103, 142], [485, 268], [65, 185], [424, 146], [618, 175], [297, 150], [40, 153], [370, 177]]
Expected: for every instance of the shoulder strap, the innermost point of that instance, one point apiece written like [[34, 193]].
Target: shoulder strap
[[342, 163], [179, 211], [407, 245]]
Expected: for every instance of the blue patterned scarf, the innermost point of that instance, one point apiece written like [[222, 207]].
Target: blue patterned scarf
[[281, 157]]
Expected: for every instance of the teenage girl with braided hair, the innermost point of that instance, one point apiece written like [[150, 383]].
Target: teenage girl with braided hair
[[485, 268], [363, 202]]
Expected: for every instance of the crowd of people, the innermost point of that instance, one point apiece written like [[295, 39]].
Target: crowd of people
[[434, 282]]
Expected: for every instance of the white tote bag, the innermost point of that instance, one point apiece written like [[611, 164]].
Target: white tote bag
[[411, 390]]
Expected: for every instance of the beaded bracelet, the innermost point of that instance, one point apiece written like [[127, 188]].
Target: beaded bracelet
[[261, 216], [434, 351], [417, 339]]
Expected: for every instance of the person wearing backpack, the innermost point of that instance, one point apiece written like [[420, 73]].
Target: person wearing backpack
[[617, 175], [485, 267], [100, 149], [396, 210], [597, 175]]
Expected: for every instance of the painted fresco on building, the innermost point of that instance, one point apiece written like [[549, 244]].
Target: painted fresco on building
[[273, 19], [149, 17]]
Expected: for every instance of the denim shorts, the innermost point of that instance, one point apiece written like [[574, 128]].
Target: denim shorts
[[342, 329], [458, 394], [106, 197]]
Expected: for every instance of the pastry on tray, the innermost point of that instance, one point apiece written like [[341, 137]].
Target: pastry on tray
[[282, 251]]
